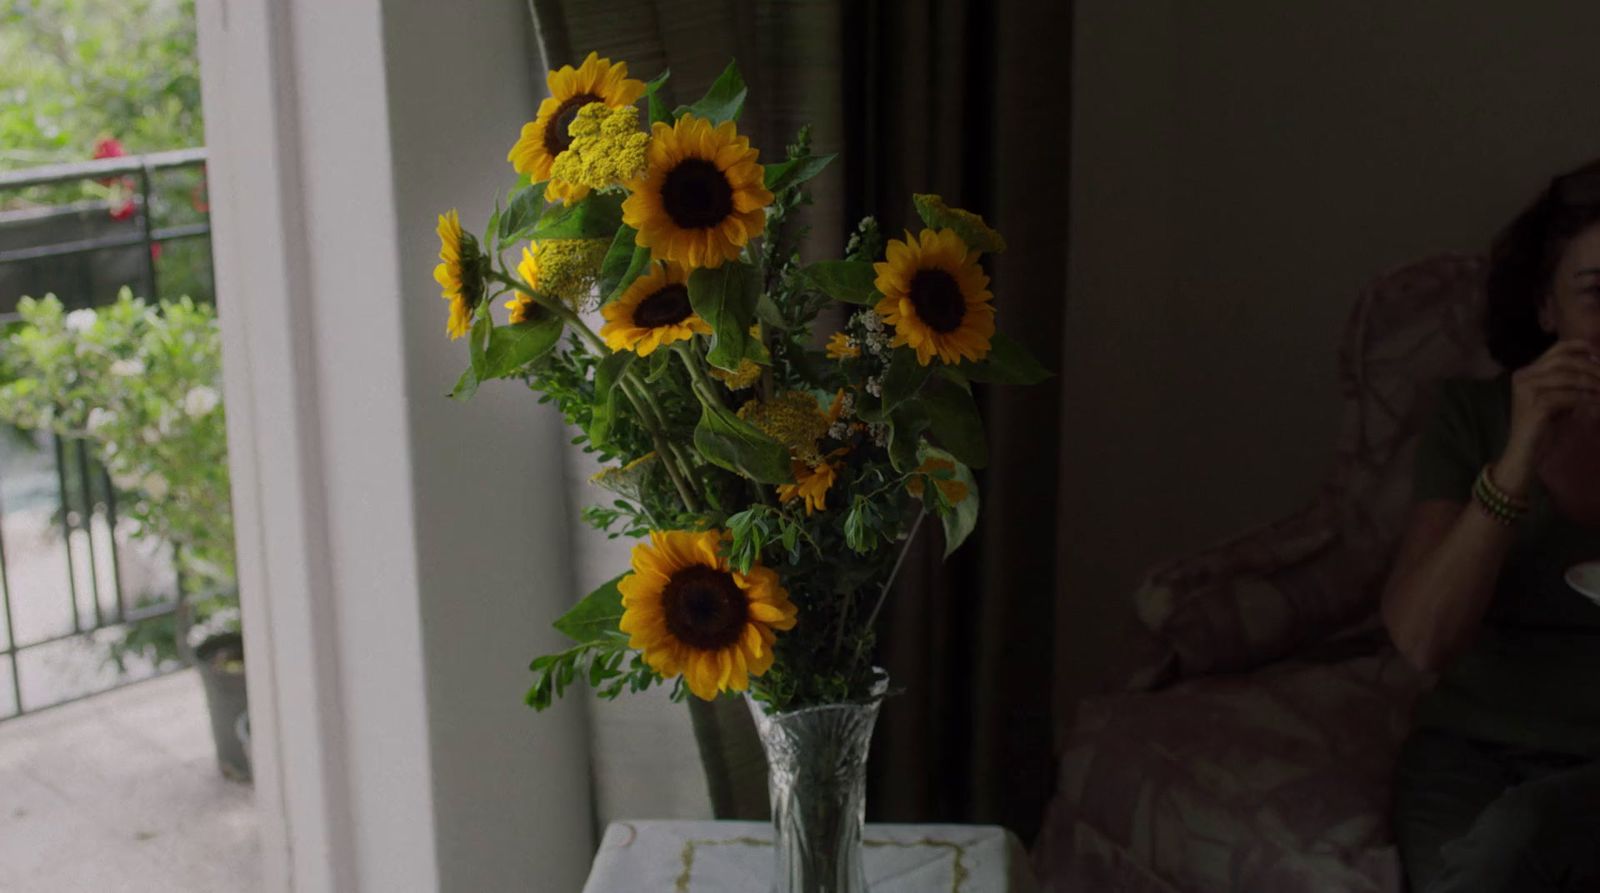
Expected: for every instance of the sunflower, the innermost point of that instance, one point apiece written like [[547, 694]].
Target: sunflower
[[458, 272], [546, 136], [812, 482], [522, 306], [942, 473], [936, 297], [701, 196], [690, 614], [652, 313], [842, 347]]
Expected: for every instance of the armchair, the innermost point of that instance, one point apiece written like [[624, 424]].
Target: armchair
[[1251, 747]]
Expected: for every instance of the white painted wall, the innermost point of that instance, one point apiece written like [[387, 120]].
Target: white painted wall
[[1239, 171], [401, 554]]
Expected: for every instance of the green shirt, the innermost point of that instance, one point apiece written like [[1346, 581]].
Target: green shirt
[[1532, 675]]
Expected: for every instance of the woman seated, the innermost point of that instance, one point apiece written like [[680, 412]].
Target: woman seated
[[1498, 787]]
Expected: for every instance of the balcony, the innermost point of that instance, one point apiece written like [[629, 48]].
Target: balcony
[[120, 791]]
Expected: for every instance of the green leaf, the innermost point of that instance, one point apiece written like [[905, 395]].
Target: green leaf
[[794, 171], [527, 206], [492, 231], [725, 100], [954, 422], [850, 281], [962, 517], [769, 313], [478, 340], [906, 425], [597, 216], [652, 92], [466, 386], [725, 297], [619, 257], [970, 227], [606, 375], [596, 617], [513, 347], [903, 378], [1007, 363], [637, 266], [732, 443]]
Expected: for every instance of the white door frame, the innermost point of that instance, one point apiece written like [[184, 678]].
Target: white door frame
[[397, 565]]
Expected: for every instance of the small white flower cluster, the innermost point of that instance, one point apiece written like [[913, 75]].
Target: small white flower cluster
[[840, 429], [99, 419], [879, 432], [200, 400], [155, 485], [80, 321], [854, 244], [876, 340], [874, 386], [128, 368]]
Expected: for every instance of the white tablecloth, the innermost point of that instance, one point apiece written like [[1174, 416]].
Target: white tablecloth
[[736, 857]]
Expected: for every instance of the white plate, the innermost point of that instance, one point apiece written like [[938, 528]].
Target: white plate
[[1586, 579]]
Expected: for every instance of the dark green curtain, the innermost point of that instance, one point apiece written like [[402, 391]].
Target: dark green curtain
[[971, 100]]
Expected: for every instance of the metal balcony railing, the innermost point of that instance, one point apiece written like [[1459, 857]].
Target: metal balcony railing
[[86, 509]]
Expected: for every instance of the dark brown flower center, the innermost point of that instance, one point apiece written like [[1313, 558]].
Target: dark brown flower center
[[704, 608], [556, 138], [667, 307], [938, 301], [696, 194]]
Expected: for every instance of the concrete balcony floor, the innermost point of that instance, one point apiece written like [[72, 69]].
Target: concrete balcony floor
[[121, 792]]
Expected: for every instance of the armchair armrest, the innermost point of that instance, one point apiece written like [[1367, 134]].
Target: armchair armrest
[[1254, 599]]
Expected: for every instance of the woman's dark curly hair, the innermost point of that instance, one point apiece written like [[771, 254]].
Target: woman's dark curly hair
[[1523, 261]]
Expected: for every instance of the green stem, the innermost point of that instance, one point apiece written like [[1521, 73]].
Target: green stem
[[561, 310], [697, 377], [670, 460], [894, 572]]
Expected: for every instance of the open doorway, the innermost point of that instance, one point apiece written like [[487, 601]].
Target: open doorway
[[123, 723]]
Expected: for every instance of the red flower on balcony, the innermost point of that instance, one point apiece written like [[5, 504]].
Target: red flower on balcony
[[108, 147], [111, 147]]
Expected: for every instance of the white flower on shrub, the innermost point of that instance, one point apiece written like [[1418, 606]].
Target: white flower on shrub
[[126, 480], [80, 321], [155, 485], [200, 400], [164, 424], [150, 435], [128, 368], [99, 418]]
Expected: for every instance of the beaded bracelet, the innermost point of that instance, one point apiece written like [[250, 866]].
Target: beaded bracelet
[[1499, 504]]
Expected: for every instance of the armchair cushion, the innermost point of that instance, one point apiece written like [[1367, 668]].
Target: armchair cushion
[[1274, 780]]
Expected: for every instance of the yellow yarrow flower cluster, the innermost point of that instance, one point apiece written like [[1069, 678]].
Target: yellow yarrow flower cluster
[[607, 147], [626, 480], [747, 374], [793, 419], [978, 233], [568, 269]]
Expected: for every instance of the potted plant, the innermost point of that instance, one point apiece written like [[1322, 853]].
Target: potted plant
[[774, 432], [140, 384]]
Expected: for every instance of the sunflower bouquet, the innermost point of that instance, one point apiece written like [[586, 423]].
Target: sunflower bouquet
[[772, 476]]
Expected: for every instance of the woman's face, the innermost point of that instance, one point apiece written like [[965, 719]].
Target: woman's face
[[1572, 308]]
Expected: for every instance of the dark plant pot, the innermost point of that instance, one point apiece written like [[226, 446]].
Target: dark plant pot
[[220, 660]]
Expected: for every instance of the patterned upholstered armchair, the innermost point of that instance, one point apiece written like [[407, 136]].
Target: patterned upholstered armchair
[[1251, 748]]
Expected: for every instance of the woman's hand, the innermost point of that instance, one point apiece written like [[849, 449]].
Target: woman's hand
[[1564, 378]]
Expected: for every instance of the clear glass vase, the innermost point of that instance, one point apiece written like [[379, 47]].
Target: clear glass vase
[[817, 779]]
